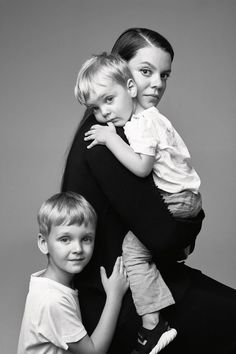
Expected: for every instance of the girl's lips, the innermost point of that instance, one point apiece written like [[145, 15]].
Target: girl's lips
[[152, 96]]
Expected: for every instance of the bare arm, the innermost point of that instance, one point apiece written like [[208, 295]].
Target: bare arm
[[139, 164], [115, 287]]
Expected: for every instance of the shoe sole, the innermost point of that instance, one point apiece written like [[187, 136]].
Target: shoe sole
[[164, 340]]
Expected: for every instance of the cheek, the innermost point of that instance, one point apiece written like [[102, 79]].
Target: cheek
[[163, 89], [99, 118], [142, 84], [89, 250]]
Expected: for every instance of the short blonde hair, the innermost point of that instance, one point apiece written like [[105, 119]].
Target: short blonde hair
[[111, 65], [67, 208]]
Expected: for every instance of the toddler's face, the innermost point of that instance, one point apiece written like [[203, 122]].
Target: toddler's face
[[70, 248], [111, 102], [150, 67]]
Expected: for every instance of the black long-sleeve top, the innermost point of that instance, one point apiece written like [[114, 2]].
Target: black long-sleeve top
[[123, 202]]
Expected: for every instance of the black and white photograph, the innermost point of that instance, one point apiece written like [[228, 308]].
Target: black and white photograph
[[118, 170]]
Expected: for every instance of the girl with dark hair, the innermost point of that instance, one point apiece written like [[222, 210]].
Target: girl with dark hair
[[126, 202]]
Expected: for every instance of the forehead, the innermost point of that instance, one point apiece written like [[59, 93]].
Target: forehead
[[101, 87], [73, 229], [156, 57]]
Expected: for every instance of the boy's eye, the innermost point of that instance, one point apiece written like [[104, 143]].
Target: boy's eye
[[146, 72], [95, 109], [109, 99], [87, 239]]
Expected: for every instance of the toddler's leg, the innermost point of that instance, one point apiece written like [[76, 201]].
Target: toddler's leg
[[150, 295], [150, 292]]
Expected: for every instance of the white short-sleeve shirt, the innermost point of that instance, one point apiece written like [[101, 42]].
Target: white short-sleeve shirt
[[51, 318], [151, 133]]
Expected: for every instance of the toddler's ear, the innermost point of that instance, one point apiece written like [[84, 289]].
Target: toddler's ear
[[42, 244], [132, 88]]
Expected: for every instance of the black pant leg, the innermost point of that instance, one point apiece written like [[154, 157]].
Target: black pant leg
[[205, 318]]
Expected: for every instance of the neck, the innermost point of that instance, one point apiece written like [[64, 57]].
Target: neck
[[137, 107], [60, 277]]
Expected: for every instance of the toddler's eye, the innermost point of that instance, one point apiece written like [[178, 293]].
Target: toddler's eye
[[146, 72], [109, 99], [65, 239]]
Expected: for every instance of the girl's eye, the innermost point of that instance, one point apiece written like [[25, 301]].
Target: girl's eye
[[146, 72], [165, 76], [109, 99]]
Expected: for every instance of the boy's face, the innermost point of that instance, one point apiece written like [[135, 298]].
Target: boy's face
[[69, 248], [111, 101]]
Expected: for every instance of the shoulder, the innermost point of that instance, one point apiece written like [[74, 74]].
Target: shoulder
[[51, 301]]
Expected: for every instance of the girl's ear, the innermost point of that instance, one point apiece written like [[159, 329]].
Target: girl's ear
[[132, 88], [42, 244]]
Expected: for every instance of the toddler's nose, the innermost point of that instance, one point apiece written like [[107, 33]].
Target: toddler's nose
[[105, 112]]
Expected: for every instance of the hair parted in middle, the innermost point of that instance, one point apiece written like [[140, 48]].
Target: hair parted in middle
[[133, 39], [112, 66], [66, 208]]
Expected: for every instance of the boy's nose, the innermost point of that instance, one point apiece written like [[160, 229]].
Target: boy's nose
[[77, 248]]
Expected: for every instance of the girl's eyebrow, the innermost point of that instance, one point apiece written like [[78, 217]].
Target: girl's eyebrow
[[153, 66], [147, 63]]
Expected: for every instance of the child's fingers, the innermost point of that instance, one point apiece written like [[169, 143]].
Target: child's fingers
[[110, 124], [89, 137], [93, 143], [121, 265], [103, 274], [95, 126], [116, 267], [89, 133]]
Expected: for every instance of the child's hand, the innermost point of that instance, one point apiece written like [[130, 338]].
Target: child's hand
[[118, 283], [99, 134]]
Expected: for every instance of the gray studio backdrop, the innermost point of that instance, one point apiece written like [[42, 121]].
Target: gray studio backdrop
[[42, 45]]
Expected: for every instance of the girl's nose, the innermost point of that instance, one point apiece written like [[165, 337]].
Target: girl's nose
[[156, 81]]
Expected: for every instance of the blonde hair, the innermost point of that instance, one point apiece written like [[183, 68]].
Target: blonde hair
[[67, 208], [112, 66]]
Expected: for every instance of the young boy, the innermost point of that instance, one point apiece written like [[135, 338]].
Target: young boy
[[52, 320], [106, 85]]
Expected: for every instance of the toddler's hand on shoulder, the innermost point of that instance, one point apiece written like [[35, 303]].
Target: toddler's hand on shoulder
[[99, 134], [117, 284]]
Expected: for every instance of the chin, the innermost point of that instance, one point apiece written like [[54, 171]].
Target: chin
[[147, 104], [150, 105]]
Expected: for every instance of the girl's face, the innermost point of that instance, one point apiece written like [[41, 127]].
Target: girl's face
[[151, 67]]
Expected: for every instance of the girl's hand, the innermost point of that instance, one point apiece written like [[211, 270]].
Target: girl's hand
[[117, 284], [99, 134]]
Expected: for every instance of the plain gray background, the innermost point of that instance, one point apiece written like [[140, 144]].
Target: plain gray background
[[42, 45]]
